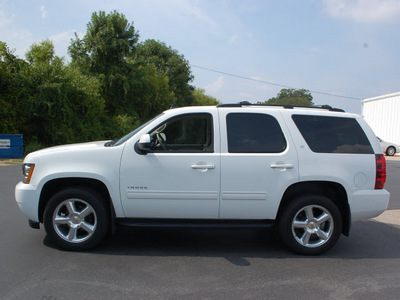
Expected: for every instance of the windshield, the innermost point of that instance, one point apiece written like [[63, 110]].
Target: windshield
[[132, 133]]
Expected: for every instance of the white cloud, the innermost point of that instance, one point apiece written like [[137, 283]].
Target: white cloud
[[364, 11], [178, 9], [262, 84], [197, 13], [215, 86], [3, 19], [265, 87], [17, 39], [44, 11], [246, 96], [62, 40], [233, 38]]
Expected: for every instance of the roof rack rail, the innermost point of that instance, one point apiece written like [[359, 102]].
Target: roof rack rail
[[246, 103]]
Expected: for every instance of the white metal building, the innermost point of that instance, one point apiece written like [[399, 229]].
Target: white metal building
[[383, 115]]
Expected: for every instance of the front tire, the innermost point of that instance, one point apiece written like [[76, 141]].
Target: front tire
[[390, 151], [76, 219], [310, 225]]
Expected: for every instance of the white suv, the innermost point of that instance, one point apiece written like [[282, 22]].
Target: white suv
[[309, 171]]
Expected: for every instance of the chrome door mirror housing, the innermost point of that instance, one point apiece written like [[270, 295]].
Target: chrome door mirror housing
[[143, 145]]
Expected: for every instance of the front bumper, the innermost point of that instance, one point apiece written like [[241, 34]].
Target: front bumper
[[34, 225], [27, 198]]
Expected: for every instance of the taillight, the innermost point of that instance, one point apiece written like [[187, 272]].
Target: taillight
[[380, 171]]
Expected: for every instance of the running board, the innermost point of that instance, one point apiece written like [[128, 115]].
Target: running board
[[190, 223]]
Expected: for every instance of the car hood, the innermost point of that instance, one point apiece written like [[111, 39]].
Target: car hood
[[67, 148]]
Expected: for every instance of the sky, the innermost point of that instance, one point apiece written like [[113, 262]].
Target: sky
[[243, 50]]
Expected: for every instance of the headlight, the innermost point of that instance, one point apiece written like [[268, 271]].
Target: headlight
[[27, 171]]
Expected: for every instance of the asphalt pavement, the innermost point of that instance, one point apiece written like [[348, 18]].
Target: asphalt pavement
[[198, 264]]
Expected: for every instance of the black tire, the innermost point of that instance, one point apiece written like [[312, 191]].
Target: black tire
[[76, 219], [310, 225], [390, 151]]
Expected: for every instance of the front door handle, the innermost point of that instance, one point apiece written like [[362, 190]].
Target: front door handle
[[282, 165], [208, 166]]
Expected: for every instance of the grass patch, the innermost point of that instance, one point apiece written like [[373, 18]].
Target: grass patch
[[14, 162], [10, 161]]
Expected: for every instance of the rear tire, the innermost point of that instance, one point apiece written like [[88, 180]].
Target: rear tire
[[76, 219], [310, 225]]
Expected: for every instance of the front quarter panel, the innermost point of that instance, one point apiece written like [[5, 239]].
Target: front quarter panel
[[99, 163]]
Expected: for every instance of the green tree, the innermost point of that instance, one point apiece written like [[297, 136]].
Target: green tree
[[169, 62], [109, 40], [200, 98], [58, 103], [138, 81], [42, 53], [103, 52], [299, 97], [111, 85], [11, 85]]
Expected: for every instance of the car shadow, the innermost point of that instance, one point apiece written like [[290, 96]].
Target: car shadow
[[368, 240]]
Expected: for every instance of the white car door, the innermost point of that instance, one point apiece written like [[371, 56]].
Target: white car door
[[180, 177], [258, 162]]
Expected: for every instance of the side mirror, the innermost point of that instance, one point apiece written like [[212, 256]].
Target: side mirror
[[143, 145]]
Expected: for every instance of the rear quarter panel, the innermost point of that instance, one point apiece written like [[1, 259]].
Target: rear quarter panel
[[355, 172]]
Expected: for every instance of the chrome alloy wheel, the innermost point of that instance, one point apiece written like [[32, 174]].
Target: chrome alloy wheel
[[312, 226], [74, 220]]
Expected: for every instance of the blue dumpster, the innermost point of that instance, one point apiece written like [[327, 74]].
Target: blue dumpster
[[11, 145]]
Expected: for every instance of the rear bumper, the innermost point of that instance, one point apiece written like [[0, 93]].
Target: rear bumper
[[368, 204]]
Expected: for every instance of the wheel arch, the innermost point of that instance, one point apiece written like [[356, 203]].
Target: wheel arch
[[332, 190], [56, 185]]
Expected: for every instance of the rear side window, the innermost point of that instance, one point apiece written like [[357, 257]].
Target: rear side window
[[254, 133], [333, 134]]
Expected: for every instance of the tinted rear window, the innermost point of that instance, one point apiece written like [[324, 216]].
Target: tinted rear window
[[254, 133], [333, 134]]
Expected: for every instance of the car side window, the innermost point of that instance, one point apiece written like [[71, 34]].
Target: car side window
[[185, 133], [325, 134], [254, 133]]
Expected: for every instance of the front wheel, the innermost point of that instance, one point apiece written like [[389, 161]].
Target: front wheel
[[310, 225], [76, 219], [390, 151]]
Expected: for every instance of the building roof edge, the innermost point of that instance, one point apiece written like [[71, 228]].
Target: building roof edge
[[380, 97]]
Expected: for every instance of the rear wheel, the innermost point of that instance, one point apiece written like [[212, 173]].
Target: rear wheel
[[310, 225], [76, 219]]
